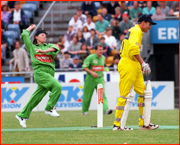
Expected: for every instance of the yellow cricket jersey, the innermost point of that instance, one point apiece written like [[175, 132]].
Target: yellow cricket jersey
[[131, 44]]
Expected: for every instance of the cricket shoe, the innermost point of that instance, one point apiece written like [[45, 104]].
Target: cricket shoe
[[22, 121], [118, 128], [85, 113], [150, 127], [52, 112], [109, 111]]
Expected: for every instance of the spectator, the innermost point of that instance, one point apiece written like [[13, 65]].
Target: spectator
[[18, 16], [135, 12], [75, 23], [65, 43], [171, 15], [3, 25], [89, 8], [111, 7], [68, 36], [80, 37], [118, 15], [74, 46], [86, 32], [61, 47], [142, 4], [56, 60], [75, 63], [106, 16], [66, 61], [11, 5], [101, 25], [155, 4], [129, 4], [106, 49], [158, 15], [20, 59], [115, 28], [81, 16], [121, 38], [109, 39], [125, 24], [124, 9], [116, 60], [90, 25], [149, 10], [83, 53], [164, 8], [2, 53], [4, 40], [175, 6], [5, 14], [92, 41]]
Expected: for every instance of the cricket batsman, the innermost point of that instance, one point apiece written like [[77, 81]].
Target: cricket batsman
[[94, 66], [131, 69]]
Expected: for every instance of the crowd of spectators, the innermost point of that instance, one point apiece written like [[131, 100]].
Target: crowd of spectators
[[108, 26], [90, 26]]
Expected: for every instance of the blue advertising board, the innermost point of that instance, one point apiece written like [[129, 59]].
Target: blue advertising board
[[166, 31]]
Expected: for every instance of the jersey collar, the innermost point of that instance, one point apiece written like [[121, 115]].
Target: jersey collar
[[45, 44], [137, 26]]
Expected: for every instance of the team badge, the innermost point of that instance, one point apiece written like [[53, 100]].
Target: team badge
[[94, 61]]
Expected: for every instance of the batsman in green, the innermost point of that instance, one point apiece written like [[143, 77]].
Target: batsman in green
[[42, 57], [94, 66]]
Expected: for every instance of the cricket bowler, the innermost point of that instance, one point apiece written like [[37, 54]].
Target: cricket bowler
[[94, 66], [42, 57], [131, 78]]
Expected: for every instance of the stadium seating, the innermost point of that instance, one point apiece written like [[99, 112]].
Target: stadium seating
[[92, 51], [29, 7], [98, 5], [15, 28], [33, 2], [109, 61], [113, 52], [11, 35]]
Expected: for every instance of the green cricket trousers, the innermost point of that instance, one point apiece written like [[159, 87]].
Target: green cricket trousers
[[44, 77], [89, 86]]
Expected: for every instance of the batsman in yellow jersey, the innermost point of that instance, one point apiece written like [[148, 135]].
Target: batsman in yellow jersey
[[131, 69]]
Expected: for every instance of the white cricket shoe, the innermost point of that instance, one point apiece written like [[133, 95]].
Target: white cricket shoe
[[52, 112], [150, 127], [21, 121], [118, 128], [85, 113]]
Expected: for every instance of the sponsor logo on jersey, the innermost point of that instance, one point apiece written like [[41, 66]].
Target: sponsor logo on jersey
[[44, 58], [97, 68]]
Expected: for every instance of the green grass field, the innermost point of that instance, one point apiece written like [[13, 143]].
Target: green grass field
[[95, 136]]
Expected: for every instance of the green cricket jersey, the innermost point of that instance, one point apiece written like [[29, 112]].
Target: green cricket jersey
[[36, 58], [95, 64]]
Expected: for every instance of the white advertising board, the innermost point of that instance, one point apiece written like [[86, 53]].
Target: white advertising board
[[15, 96], [68, 77]]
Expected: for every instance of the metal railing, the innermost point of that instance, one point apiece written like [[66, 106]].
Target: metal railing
[[30, 74], [41, 21]]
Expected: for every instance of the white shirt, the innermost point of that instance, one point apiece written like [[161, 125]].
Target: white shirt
[[66, 45], [76, 25], [91, 26], [82, 18], [111, 41], [17, 16], [86, 35]]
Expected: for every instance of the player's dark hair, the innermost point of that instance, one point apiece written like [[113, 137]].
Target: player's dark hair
[[96, 47], [35, 41]]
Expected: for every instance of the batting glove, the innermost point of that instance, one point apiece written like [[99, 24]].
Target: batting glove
[[146, 70]]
